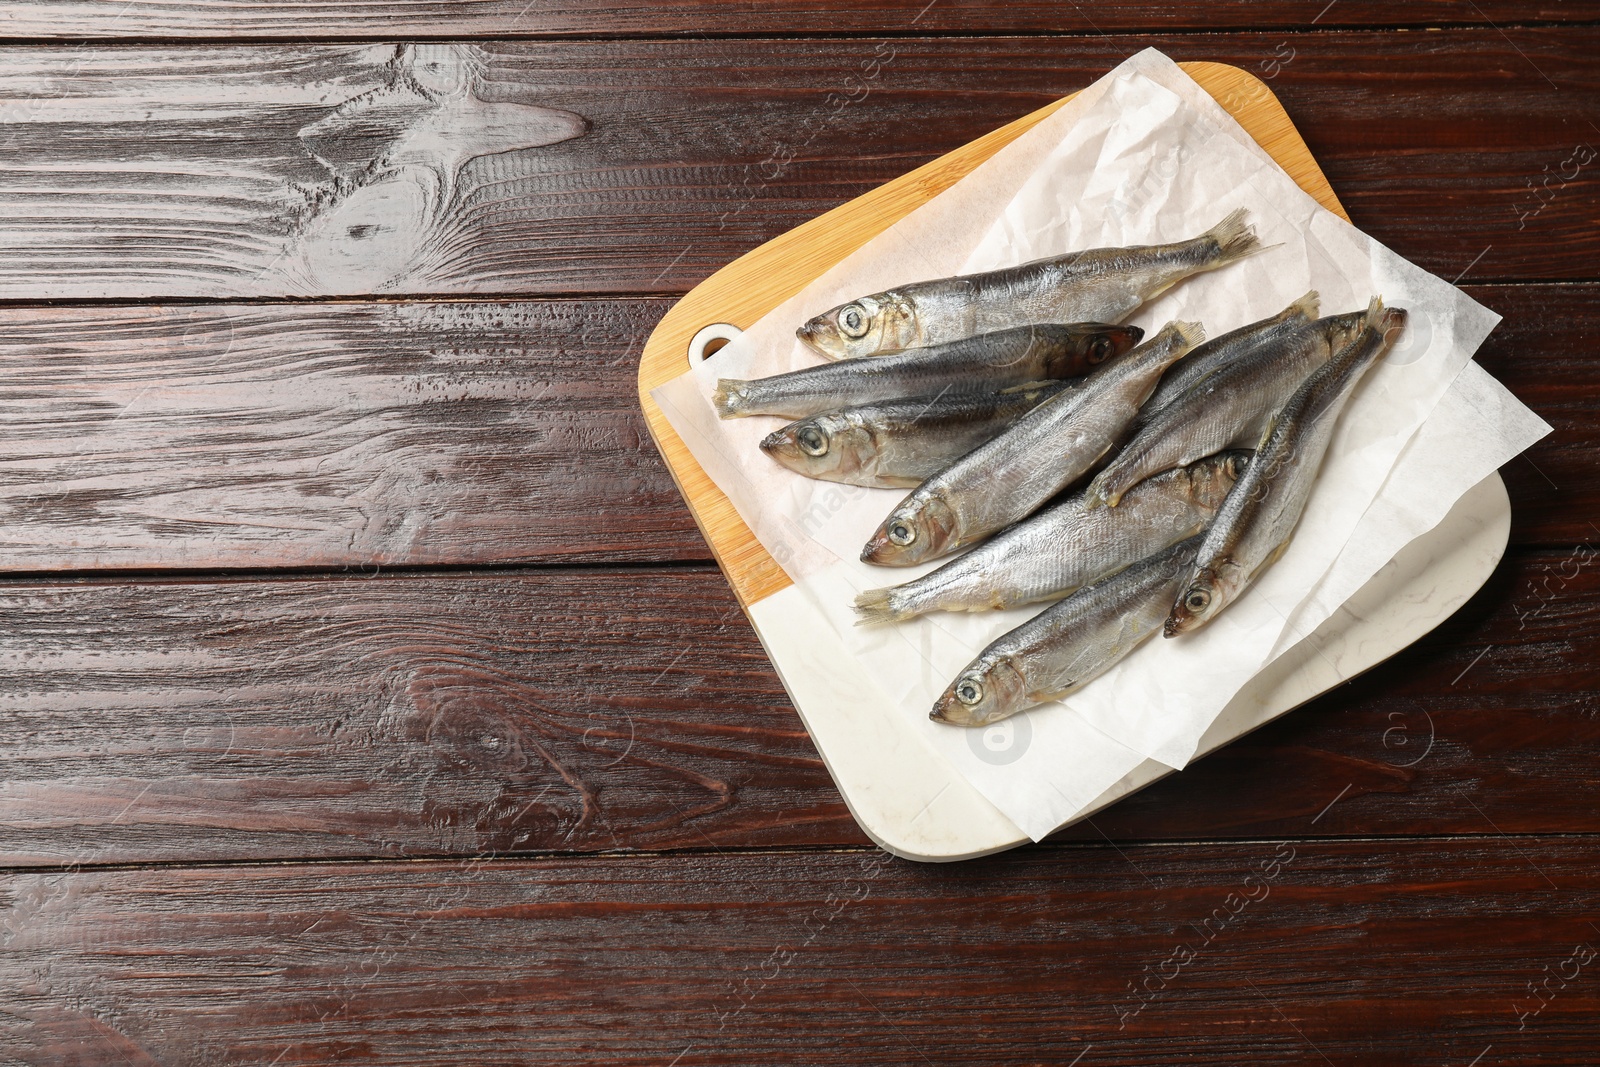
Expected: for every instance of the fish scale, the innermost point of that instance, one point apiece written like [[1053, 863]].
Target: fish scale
[[1256, 521], [1228, 405], [1098, 284], [1046, 450], [1068, 546], [986, 363], [1069, 644], [1223, 350], [896, 444]]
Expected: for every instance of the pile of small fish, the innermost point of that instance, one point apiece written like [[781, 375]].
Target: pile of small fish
[[1090, 465]]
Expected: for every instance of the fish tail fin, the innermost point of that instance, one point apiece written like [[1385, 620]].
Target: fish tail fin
[[876, 606], [728, 398], [1030, 387], [1098, 494], [1189, 333], [1309, 305], [1235, 238]]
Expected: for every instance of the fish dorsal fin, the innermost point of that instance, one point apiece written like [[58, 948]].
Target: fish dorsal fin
[[1309, 305]]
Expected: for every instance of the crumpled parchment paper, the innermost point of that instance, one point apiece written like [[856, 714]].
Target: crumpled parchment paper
[[1144, 155]]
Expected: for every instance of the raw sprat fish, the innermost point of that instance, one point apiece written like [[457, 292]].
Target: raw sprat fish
[[1065, 547], [1046, 450], [1256, 521], [1069, 644], [896, 444], [992, 362], [1097, 285], [968, 392], [1228, 406], [1233, 345]]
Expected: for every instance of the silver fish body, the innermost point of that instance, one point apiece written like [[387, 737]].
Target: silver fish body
[[989, 363], [1065, 547], [1097, 285], [1222, 350], [897, 444], [1047, 449], [1256, 521], [1230, 405], [1069, 644]]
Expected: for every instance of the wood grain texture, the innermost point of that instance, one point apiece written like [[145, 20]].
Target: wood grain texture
[[452, 18], [1343, 953], [581, 711], [377, 716], [407, 433], [1492, 720], [586, 713], [329, 435], [1544, 352], [642, 166]]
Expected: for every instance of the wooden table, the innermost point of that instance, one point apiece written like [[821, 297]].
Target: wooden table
[[368, 695]]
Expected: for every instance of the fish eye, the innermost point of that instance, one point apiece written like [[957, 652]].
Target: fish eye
[[853, 321], [969, 691], [1101, 350], [1197, 600], [813, 442], [901, 533]]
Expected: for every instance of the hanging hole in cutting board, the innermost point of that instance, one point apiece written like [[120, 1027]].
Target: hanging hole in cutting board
[[709, 339]]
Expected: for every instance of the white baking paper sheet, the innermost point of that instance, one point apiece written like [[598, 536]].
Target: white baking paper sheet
[[1142, 156]]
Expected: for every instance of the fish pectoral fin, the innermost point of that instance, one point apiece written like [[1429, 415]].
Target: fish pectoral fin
[[1266, 433], [1027, 387], [1272, 557]]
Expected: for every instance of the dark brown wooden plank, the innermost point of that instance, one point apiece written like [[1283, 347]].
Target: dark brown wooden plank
[[330, 435], [1492, 720], [465, 433], [1342, 953], [1544, 352], [643, 166], [450, 18], [711, 18], [577, 710], [396, 716]]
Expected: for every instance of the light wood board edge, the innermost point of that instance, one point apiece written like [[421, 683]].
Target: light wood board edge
[[760, 280]]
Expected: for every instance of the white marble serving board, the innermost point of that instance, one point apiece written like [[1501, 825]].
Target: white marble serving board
[[912, 802]]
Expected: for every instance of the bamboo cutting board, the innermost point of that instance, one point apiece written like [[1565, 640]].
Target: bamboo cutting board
[[902, 792]]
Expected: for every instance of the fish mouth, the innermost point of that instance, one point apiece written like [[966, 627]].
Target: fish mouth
[[882, 551], [1391, 322], [1199, 598], [926, 532], [781, 446], [1001, 692], [950, 708], [1182, 620], [1125, 338], [885, 553], [820, 336], [786, 452], [951, 711]]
